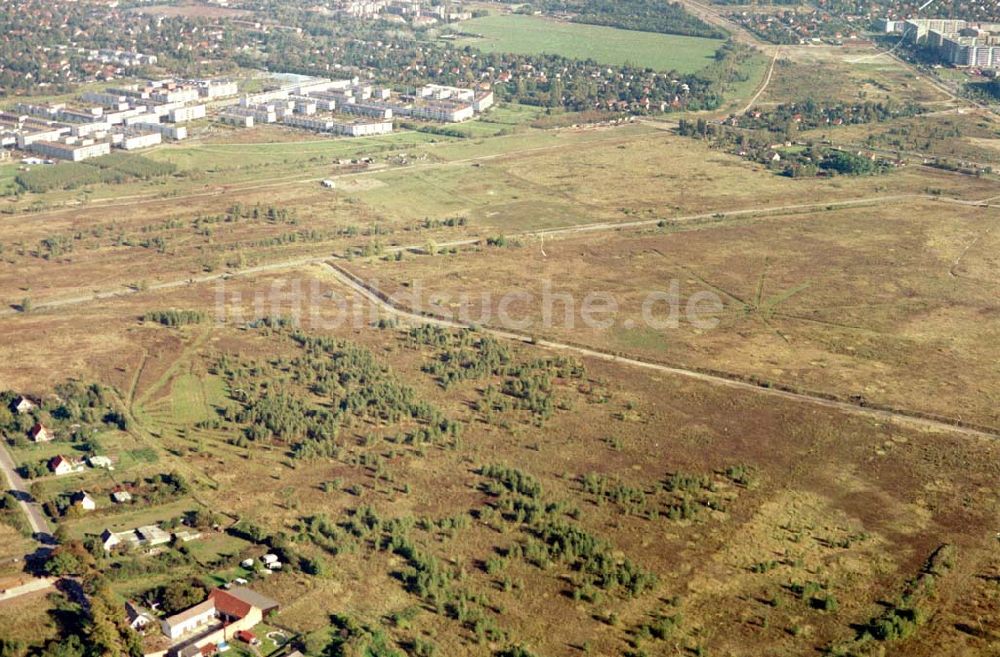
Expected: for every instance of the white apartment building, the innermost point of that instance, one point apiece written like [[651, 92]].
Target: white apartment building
[[74, 152], [185, 114]]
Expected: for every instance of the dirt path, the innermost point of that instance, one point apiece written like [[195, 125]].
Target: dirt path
[[763, 86], [899, 416]]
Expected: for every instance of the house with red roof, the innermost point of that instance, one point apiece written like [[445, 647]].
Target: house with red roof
[[40, 434], [60, 465]]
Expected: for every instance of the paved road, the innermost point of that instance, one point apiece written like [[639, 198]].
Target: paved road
[[897, 416], [36, 519]]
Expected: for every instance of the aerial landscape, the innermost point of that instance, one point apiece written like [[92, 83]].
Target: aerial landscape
[[439, 328]]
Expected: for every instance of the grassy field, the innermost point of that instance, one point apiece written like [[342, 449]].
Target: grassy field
[[606, 45]]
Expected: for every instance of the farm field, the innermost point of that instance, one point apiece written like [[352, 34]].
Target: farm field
[[606, 45]]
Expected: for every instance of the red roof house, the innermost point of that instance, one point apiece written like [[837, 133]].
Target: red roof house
[[40, 434]]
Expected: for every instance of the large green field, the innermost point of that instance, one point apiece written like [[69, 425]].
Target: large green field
[[607, 45]]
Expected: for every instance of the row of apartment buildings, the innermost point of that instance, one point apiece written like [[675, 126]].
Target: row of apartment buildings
[[361, 109], [956, 42], [129, 117]]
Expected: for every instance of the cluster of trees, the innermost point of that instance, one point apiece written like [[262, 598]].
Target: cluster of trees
[[465, 354], [95, 629], [347, 637], [274, 401], [593, 559], [468, 354], [110, 169], [134, 167], [789, 117], [797, 162], [631, 499], [519, 497], [174, 317], [906, 8], [11, 515], [640, 15]]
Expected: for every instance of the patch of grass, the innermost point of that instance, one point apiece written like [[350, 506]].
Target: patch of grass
[[607, 45]]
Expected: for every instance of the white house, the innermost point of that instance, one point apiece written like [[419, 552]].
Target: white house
[[84, 501], [268, 559], [22, 405], [110, 540], [60, 465], [138, 618], [121, 497], [40, 434]]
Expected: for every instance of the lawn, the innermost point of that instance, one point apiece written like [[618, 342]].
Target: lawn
[[607, 45], [7, 174]]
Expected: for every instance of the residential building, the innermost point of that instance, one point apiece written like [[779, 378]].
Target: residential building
[[236, 119], [138, 617], [60, 465], [133, 141], [483, 101], [222, 616], [188, 113], [40, 434], [71, 150], [23, 405], [84, 501], [189, 620], [175, 132]]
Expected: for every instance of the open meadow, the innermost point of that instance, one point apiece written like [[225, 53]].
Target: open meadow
[[605, 45]]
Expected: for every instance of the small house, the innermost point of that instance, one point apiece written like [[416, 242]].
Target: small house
[[247, 563], [84, 501], [24, 405], [138, 618], [110, 540], [268, 559], [60, 465], [121, 497], [40, 434]]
